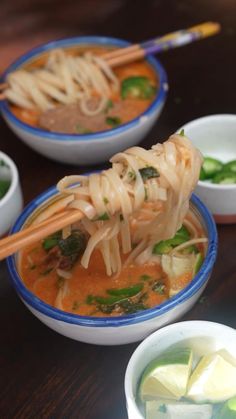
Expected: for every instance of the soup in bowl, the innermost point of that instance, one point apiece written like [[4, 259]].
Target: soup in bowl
[[67, 102], [89, 306]]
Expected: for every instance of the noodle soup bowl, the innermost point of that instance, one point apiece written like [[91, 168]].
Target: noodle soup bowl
[[215, 136], [85, 149], [120, 329]]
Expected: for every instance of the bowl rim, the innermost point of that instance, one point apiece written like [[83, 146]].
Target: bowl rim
[[197, 282], [200, 121], [14, 178], [73, 41], [154, 337]]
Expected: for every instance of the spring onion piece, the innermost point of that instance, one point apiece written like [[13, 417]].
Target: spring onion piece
[[137, 87]]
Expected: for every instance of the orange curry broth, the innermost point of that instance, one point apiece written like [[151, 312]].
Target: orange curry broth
[[140, 68], [84, 282]]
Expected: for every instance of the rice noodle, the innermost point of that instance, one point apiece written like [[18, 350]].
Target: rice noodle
[[63, 80], [119, 204]]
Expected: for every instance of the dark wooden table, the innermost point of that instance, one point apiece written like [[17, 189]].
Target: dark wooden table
[[43, 374]]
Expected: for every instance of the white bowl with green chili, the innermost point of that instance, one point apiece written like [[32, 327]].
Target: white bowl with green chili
[[215, 137], [11, 201]]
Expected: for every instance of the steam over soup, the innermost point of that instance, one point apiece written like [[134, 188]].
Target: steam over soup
[[75, 91], [136, 244]]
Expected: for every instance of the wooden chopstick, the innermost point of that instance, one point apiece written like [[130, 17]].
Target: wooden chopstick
[[31, 234], [126, 58], [153, 46], [120, 51]]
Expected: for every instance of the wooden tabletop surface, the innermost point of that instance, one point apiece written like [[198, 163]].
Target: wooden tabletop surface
[[43, 374]]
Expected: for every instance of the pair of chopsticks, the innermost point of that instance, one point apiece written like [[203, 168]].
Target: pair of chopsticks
[[33, 233], [164, 43]]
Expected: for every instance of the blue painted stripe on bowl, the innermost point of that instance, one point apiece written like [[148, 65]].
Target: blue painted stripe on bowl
[[158, 101], [199, 280]]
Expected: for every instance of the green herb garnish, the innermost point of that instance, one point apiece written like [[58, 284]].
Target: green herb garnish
[[108, 106], [82, 130], [105, 200], [159, 287], [132, 175], [148, 173], [113, 121], [102, 217], [51, 241], [72, 245], [4, 186], [182, 133]]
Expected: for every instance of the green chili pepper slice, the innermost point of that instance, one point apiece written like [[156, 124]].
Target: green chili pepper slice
[[137, 87], [211, 167], [165, 246], [224, 177]]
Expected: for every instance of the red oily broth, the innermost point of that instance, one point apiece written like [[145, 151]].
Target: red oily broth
[[130, 109], [84, 283]]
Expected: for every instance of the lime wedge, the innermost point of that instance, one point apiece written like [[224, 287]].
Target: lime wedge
[[167, 376], [170, 409], [228, 410], [213, 380]]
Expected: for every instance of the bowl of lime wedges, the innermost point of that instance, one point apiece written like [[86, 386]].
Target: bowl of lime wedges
[[185, 370]]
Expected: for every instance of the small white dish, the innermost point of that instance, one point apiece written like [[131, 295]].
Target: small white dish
[[215, 136], [12, 202], [202, 336]]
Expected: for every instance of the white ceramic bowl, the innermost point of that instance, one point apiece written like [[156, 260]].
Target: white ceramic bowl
[[122, 329], [215, 136], [202, 336], [12, 203], [87, 148]]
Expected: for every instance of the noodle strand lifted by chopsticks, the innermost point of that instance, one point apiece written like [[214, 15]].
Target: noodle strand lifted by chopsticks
[[121, 202], [63, 80]]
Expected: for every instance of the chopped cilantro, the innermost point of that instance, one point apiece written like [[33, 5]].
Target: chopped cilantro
[[114, 121]]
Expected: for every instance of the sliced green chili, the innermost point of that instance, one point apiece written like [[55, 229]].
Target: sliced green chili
[[137, 87]]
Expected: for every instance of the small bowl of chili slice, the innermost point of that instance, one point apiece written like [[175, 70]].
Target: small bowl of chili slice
[[215, 137], [11, 202]]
